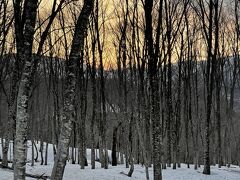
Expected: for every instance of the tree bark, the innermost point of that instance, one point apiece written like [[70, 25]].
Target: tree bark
[[154, 88], [22, 117], [70, 89]]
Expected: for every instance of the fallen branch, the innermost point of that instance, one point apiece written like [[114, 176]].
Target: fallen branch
[[36, 176], [8, 161], [123, 173]]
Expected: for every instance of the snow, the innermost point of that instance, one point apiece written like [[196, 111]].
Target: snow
[[73, 172]]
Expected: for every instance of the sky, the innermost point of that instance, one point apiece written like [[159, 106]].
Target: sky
[[109, 54]]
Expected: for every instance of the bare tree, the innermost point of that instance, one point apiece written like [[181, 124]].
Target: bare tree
[[24, 30], [152, 58], [70, 89]]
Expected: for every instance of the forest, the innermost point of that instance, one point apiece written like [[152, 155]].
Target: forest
[[120, 89]]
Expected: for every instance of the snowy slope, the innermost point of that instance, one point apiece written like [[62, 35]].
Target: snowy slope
[[73, 172]]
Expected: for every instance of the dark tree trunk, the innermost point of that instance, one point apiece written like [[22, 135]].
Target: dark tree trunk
[[114, 147], [154, 88]]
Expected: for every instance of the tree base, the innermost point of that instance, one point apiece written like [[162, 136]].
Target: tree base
[[206, 170]]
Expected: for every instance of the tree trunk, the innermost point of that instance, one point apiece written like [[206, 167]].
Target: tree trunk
[[154, 88], [22, 117], [94, 102], [114, 147], [46, 154], [70, 89]]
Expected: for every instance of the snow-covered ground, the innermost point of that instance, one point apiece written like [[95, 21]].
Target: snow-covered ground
[[73, 172]]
